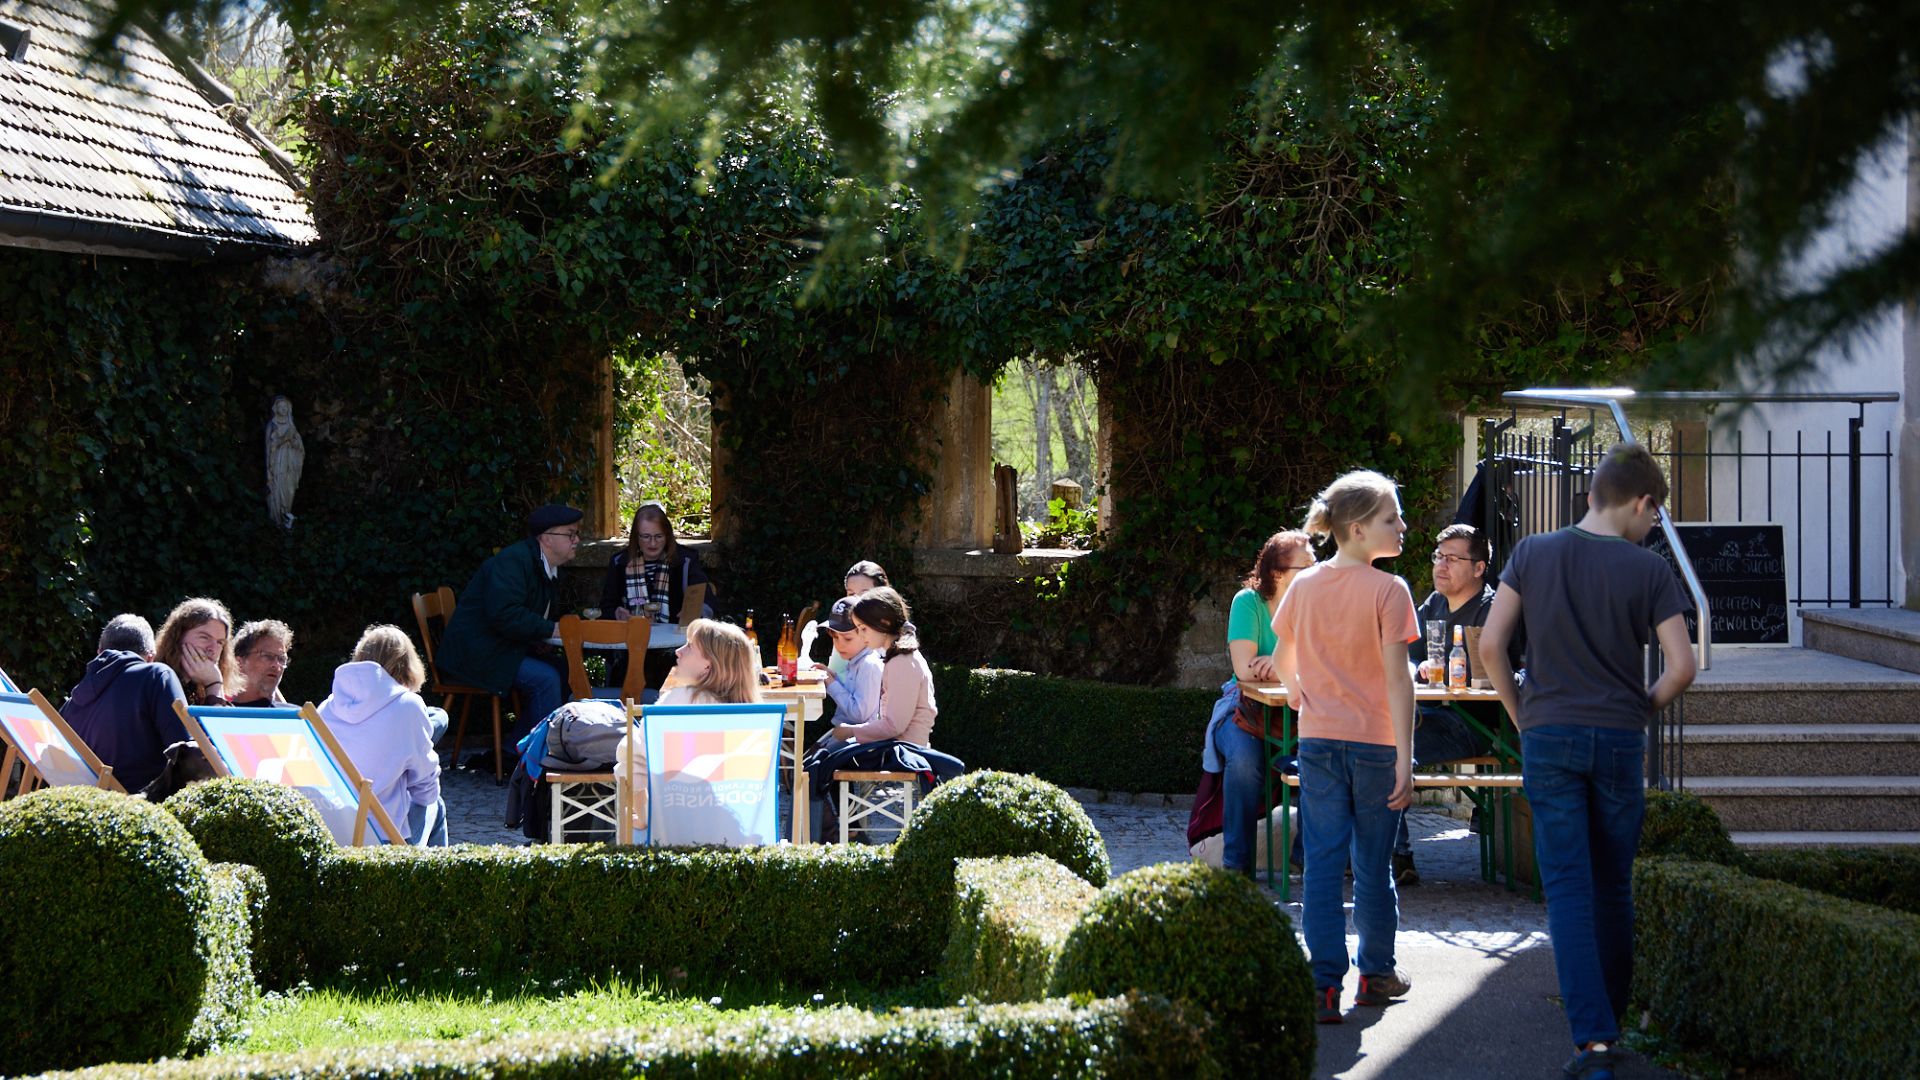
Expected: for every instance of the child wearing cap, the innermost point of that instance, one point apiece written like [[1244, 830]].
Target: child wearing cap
[[855, 690]]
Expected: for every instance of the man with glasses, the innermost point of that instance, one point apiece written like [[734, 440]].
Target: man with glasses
[[262, 651], [497, 638], [1461, 597]]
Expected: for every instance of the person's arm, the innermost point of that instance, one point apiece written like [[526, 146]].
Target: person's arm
[[1286, 657], [1393, 657], [1243, 631], [504, 602], [1248, 665], [1677, 650], [899, 694], [1494, 639], [423, 766]]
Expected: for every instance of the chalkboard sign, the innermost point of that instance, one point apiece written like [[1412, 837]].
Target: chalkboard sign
[[1743, 567]]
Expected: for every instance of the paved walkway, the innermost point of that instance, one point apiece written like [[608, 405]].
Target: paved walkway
[[1485, 1003]]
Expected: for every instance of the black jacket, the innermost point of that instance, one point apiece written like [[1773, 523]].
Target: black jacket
[[686, 571], [122, 709]]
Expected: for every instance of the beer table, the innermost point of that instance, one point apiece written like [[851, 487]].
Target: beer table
[[805, 701], [1495, 802]]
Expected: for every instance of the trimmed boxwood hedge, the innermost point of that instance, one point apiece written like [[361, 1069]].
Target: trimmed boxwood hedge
[[1681, 826], [1130, 1036], [1888, 877], [1210, 938], [121, 943], [1764, 971], [1010, 918], [1073, 732]]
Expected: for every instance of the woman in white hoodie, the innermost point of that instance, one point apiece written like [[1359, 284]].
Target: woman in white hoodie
[[383, 725]]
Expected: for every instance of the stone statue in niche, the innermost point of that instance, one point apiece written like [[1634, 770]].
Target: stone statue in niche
[[286, 455]]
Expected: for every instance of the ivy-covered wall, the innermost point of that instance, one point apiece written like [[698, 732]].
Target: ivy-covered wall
[[490, 239]]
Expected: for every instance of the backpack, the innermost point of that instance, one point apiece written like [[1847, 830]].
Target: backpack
[[582, 735]]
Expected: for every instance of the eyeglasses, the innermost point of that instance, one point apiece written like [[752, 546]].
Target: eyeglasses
[[1295, 569], [1442, 557], [572, 535], [280, 660], [652, 537]]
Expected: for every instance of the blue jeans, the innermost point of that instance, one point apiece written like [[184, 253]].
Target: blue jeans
[[1242, 789], [541, 691], [1588, 790], [1439, 736], [417, 820], [1344, 787]]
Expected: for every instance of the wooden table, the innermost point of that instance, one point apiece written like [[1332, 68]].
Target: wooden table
[[804, 702], [662, 636], [1495, 804]]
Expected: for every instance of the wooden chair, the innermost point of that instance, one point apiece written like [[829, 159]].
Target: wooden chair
[[294, 747], [49, 751], [576, 632], [883, 806], [439, 605]]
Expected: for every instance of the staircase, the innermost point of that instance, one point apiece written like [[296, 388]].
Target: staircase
[[1815, 746]]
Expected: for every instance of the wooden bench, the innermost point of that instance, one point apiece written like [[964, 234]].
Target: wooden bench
[[1446, 780]]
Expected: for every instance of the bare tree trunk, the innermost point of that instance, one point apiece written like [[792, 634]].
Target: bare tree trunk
[[1076, 432], [1042, 434]]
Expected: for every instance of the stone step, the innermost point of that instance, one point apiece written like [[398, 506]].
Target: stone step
[[1774, 685], [1775, 841], [1802, 749], [1889, 637], [1812, 803]]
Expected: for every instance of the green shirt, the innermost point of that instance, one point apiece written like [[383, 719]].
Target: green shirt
[[1249, 620]]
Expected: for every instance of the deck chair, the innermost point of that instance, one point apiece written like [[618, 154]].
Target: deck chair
[[576, 632], [712, 775], [293, 747], [7, 686], [53, 754], [439, 605]]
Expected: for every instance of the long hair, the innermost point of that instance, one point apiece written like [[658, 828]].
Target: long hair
[[886, 611], [1351, 499], [651, 511], [391, 648], [187, 614], [732, 676], [1264, 578]]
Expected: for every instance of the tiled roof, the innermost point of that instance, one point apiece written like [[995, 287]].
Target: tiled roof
[[139, 160]]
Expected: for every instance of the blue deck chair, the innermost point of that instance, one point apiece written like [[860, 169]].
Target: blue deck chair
[[292, 747], [712, 773], [54, 754], [7, 686]]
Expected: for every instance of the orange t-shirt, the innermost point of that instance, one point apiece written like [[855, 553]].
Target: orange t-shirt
[[1340, 620]]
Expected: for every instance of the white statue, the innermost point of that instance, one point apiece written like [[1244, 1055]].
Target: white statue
[[286, 455]]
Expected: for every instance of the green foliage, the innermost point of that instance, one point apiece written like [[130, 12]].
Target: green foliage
[[275, 829], [1071, 731], [1132, 1036], [1680, 825], [233, 924], [111, 951], [1210, 938], [990, 813], [1885, 877], [1762, 971], [1010, 918]]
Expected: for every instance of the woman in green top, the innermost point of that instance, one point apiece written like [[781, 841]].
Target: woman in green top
[[1238, 748]]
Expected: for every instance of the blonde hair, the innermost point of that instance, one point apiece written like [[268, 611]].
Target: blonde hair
[[732, 676], [1353, 498], [391, 648], [187, 614]]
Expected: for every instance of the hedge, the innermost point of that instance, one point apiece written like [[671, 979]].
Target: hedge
[[1073, 732], [121, 943], [1010, 918], [1764, 971], [1887, 877], [1129, 1036], [1679, 825]]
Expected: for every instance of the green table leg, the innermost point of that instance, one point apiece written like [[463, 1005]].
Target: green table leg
[[1277, 750]]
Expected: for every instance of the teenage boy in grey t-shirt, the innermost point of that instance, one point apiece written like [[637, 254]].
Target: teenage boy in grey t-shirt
[[1588, 596]]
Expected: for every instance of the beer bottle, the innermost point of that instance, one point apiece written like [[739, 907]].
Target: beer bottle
[[1457, 661], [753, 639]]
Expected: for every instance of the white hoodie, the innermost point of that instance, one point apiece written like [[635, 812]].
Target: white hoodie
[[383, 728]]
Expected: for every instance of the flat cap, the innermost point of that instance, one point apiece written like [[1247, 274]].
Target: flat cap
[[551, 516]]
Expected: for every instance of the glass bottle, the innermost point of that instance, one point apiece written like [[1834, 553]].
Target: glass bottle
[[1457, 661], [753, 639]]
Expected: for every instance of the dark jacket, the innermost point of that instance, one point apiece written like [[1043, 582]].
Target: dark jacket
[[687, 570], [503, 614], [122, 709]]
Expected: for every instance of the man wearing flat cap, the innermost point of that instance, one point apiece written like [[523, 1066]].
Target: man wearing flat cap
[[497, 638]]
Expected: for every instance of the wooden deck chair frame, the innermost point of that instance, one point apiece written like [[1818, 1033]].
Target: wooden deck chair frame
[[576, 632], [369, 807], [30, 776], [632, 811], [439, 604]]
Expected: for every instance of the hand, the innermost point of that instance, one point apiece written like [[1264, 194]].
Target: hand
[[202, 668], [827, 671], [843, 733], [1263, 669], [1402, 796], [621, 614]]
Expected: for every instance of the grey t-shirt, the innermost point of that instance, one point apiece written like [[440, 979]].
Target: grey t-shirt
[[1589, 604]]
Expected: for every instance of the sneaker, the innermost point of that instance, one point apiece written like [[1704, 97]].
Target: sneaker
[[1403, 872], [1593, 1063], [1326, 1006], [1380, 989]]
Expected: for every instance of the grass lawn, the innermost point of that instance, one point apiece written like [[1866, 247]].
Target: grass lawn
[[397, 1012]]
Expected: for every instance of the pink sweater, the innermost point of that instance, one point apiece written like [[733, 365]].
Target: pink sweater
[[906, 704]]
